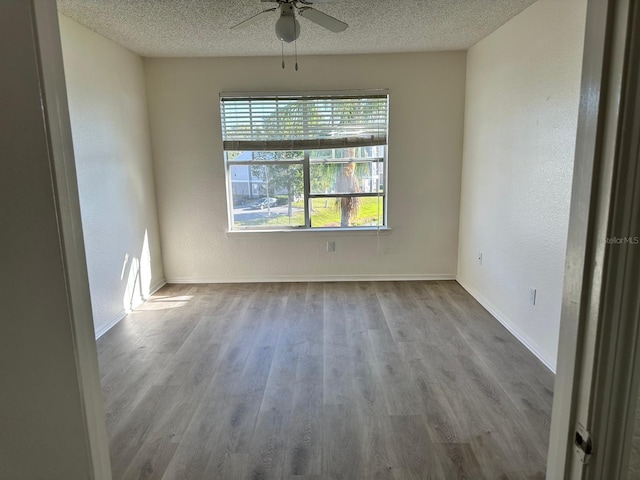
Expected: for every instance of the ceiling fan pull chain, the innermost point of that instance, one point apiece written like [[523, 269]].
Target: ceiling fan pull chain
[[295, 44], [282, 45]]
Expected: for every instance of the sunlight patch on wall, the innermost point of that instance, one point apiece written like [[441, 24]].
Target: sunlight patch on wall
[[137, 288], [145, 268]]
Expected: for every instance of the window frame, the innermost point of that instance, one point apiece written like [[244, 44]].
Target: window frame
[[306, 161]]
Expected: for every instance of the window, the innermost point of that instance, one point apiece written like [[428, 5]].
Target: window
[[305, 161]]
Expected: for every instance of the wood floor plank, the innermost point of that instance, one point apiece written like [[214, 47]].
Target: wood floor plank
[[416, 456], [366, 384], [376, 446], [400, 312], [247, 397], [533, 408], [341, 442], [193, 453], [336, 352], [272, 321], [210, 442], [193, 371], [463, 462], [444, 421], [268, 446], [496, 463], [231, 465], [336, 388], [400, 393], [304, 446], [193, 456], [372, 313], [335, 328], [281, 380], [240, 398], [153, 458], [268, 449], [312, 321], [147, 419], [361, 380], [123, 389]]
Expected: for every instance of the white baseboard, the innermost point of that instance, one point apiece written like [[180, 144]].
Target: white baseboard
[[112, 323], [313, 278], [157, 286], [522, 337], [123, 313]]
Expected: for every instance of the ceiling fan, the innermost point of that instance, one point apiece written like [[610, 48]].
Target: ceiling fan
[[287, 26]]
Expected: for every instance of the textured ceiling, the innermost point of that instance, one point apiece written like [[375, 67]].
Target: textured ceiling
[[200, 28]]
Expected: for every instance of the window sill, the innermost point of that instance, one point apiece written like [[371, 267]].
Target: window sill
[[327, 231]]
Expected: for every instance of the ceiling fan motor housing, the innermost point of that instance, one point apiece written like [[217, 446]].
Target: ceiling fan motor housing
[[287, 26]]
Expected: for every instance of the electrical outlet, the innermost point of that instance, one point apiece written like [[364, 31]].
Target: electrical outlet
[[480, 258], [532, 296], [331, 246]]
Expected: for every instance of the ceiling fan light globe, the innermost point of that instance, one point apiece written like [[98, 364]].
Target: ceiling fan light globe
[[287, 28]]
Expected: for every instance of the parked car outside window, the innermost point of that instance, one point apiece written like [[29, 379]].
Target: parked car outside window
[[263, 203]]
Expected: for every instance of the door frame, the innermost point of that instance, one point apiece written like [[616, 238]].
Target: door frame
[[588, 314], [617, 370], [56, 113]]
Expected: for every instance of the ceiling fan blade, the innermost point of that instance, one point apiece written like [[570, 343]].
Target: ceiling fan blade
[[322, 19], [309, 2], [254, 19]]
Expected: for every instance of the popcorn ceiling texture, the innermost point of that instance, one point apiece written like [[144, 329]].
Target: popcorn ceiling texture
[[200, 28]]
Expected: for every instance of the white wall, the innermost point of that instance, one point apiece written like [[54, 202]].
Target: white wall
[[425, 153], [522, 92], [107, 103]]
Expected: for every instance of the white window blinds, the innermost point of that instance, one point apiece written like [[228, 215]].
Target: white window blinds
[[302, 122]]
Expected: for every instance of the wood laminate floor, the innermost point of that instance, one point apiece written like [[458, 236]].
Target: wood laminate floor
[[311, 381]]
